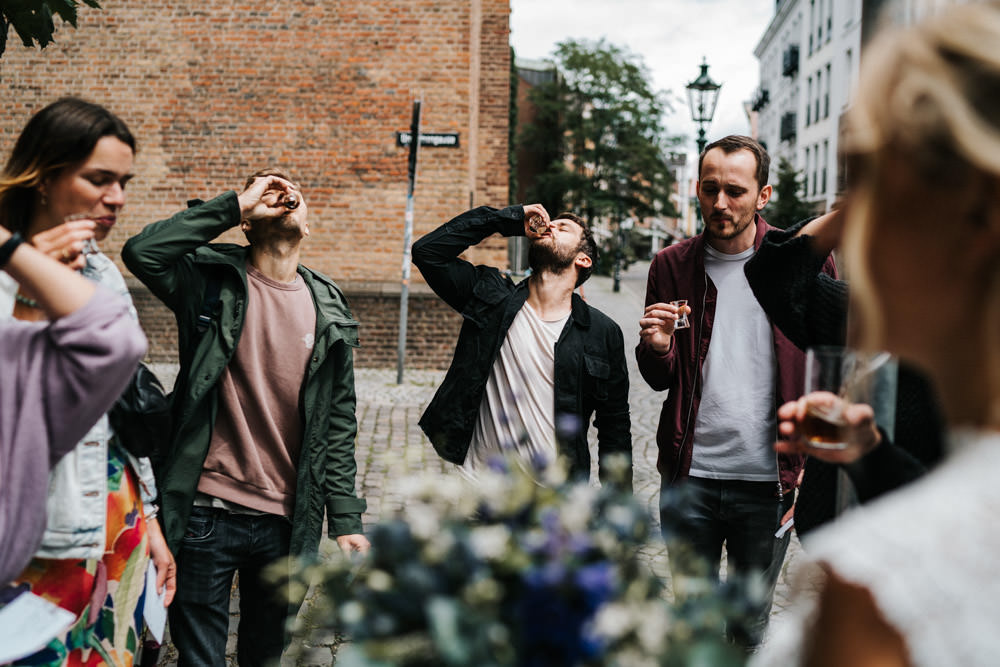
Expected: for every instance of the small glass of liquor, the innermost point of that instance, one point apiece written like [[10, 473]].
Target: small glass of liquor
[[682, 314], [836, 377], [90, 245], [537, 224]]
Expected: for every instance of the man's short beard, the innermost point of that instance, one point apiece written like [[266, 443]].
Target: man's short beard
[[545, 257], [731, 235]]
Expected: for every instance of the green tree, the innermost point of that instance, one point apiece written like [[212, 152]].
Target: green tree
[[32, 19], [786, 207], [600, 128]]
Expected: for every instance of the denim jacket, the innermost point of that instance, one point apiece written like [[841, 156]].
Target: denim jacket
[[591, 377], [77, 504]]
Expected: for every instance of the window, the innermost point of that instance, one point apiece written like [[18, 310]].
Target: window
[[815, 169], [819, 87], [829, 20], [848, 75], [809, 103], [826, 93], [826, 159], [812, 22]]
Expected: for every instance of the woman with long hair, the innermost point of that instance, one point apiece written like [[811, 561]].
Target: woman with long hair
[[909, 579], [62, 189]]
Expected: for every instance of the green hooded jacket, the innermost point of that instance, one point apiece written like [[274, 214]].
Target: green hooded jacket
[[176, 261]]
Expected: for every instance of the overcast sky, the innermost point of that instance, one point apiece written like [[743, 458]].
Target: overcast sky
[[671, 36]]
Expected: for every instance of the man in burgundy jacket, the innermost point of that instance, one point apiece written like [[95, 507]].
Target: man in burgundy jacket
[[726, 374]]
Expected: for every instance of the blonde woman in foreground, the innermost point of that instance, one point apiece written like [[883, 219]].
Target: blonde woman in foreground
[[912, 579]]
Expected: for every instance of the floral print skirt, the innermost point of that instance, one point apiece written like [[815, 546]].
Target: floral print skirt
[[107, 594]]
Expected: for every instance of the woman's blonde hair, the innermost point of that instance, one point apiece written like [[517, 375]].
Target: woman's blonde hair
[[929, 94]]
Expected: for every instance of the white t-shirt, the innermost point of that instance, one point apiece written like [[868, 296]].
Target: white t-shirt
[[518, 410], [735, 427]]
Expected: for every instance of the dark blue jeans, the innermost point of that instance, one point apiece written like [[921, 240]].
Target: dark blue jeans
[[701, 516], [217, 545]]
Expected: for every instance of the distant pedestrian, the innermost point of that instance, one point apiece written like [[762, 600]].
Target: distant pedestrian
[[533, 362], [725, 374], [263, 444]]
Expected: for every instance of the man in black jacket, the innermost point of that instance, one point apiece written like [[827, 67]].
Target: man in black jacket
[[533, 361]]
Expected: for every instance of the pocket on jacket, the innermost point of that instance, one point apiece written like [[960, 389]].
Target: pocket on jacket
[[201, 524], [598, 371], [485, 299]]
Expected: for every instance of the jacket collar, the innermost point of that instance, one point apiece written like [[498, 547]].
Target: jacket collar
[[329, 298]]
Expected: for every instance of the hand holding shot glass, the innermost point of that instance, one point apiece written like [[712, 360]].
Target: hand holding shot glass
[[536, 220], [834, 418], [660, 321]]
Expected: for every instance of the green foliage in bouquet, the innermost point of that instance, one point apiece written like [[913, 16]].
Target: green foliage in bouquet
[[511, 571]]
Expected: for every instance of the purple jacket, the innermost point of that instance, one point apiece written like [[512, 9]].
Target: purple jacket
[[678, 272], [57, 380]]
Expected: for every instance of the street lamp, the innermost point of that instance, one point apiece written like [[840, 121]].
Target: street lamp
[[703, 94]]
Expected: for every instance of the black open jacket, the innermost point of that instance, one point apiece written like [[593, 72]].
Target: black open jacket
[[591, 376]]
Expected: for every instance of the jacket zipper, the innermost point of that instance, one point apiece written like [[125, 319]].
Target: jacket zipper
[[697, 380]]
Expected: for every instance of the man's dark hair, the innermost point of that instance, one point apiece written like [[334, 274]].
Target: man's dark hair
[[268, 171], [587, 246], [737, 142]]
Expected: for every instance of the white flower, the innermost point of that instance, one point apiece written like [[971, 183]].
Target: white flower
[[612, 621], [489, 542], [352, 612], [578, 508], [423, 520], [379, 580], [653, 625]]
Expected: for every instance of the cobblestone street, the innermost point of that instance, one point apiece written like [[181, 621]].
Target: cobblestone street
[[391, 445]]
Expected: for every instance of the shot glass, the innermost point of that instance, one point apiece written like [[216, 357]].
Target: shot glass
[[682, 319], [836, 377], [537, 224], [90, 245], [289, 201]]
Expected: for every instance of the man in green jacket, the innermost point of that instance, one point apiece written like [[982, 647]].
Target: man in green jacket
[[264, 423]]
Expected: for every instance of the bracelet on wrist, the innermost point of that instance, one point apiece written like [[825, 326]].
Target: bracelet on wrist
[[8, 248]]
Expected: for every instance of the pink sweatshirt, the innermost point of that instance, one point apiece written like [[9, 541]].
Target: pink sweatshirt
[[56, 380]]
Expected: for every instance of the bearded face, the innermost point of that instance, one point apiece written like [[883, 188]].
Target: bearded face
[[546, 254]]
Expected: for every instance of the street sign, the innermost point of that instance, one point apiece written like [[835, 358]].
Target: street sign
[[445, 139]]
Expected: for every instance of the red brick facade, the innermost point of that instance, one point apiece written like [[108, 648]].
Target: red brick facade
[[214, 90]]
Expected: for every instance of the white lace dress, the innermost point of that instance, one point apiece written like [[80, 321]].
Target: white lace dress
[[930, 555]]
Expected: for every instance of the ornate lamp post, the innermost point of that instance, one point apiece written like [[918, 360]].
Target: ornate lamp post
[[703, 94]]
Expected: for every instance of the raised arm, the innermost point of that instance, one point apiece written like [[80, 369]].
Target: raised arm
[[161, 254], [437, 254], [85, 357], [793, 278]]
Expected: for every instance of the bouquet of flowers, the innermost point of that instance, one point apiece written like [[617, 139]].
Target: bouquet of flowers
[[522, 568]]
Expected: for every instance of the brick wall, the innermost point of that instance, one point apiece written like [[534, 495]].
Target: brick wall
[[214, 90]]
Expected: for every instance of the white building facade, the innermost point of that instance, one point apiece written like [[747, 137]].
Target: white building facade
[[808, 59]]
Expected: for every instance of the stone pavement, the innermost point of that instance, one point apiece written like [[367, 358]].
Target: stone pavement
[[391, 444]]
